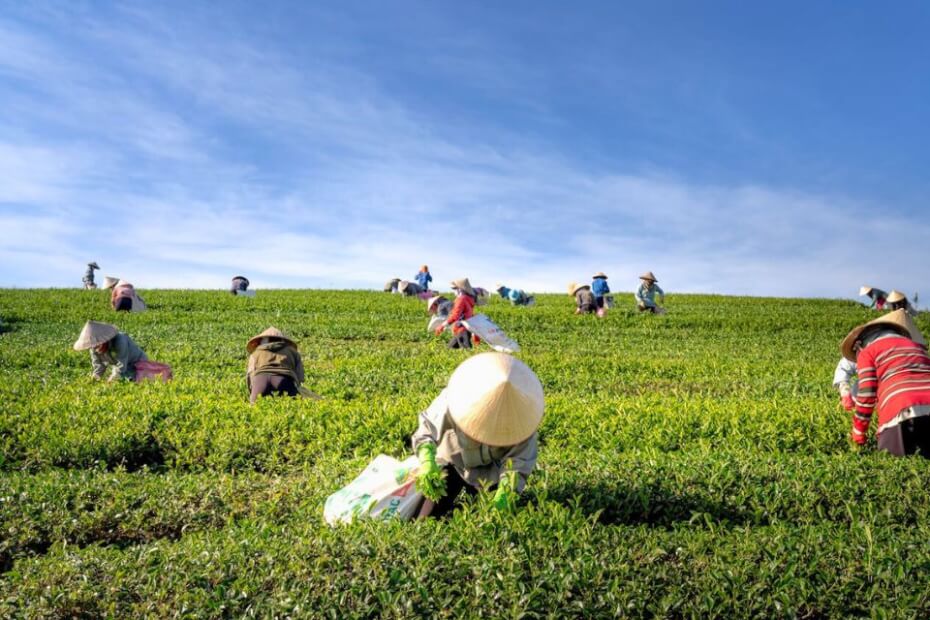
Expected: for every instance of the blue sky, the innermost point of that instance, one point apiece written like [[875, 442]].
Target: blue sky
[[729, 147]]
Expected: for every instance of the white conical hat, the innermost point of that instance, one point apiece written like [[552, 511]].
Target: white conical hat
[[465, 285], [94, 334], [432, 301], [864, 290], [272, 332], [495, 399], [110, 282], [899, 320], [895, 296]]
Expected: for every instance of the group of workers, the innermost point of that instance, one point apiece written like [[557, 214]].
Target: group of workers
[[480, 432], [595, 298], [895, 300]]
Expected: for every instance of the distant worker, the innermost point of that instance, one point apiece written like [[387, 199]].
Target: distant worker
[[423, 278], [240, 286], [125, 298], [111, 348], [463, 308], [600, 289], [516, 296], [88, 278], [894, 378], [480, 432], [844, 380], [439, 308], [584, 298], [877, 296], [408, 288], [391, 285], [897, 301], [646, 294], [275, 366]]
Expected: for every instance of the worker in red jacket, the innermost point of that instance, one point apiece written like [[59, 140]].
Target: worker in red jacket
[[462, 309], [894, 378]]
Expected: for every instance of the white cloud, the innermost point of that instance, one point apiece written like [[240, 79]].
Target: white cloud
[[181, 160]]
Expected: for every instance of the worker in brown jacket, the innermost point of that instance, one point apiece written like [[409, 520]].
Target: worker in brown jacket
[[275, 366]]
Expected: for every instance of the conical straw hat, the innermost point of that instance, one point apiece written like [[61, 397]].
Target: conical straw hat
[[648, 276], [110, 282], [124, 283], [895, 296], [465, 285], [574, 288], [271, 332], [899, 320], [599, 274], [432, 301], [94, 265], [94, 334], [495, 399], [865, 290]]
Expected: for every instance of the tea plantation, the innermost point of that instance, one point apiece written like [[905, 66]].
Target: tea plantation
[[691, 465]]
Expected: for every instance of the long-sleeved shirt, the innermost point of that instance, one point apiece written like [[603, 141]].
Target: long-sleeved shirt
[[584, 300], [515, 296], [462, 309], [599, 287], [89, 275], [443, 308], [646, 294], [122, 356], [877, 296], [844, 377], [276, 358], [475, 462], [423, 278], [894, 374]]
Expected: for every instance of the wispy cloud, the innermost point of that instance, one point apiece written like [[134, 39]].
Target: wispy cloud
[[177, 157]]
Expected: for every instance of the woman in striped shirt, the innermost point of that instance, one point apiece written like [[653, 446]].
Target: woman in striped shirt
[[894, 378]]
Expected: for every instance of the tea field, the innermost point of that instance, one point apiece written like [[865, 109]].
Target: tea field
[[691, 465]]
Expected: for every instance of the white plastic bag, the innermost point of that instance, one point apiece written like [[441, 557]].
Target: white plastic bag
[[434, 323], [385, 490], [484, 328]]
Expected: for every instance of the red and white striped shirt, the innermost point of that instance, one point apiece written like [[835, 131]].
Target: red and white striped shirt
[[894, 374]]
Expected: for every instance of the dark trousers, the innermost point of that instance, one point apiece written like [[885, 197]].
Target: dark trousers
[[454, 486], [123, 304], [909, 437], [599, 301], [461, 340], [272, 385]]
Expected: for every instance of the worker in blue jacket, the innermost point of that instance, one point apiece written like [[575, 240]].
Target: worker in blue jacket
[[515, 296], [599, 288], [424, 277]]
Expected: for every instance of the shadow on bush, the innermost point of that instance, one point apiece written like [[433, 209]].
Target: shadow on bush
[[631, 505]]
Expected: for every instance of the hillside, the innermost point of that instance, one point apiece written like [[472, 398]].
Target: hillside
[[694, 464]]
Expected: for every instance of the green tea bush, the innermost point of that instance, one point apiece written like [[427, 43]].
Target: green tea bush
[[691, 465]]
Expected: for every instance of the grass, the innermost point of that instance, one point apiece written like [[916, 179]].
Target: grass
[[691, 465]]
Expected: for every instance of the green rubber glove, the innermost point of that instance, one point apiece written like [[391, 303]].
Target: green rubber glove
[[506, 496], [430, 480]]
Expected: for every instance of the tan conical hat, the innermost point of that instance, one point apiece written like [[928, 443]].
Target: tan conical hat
[[465, 285], [599, 274], [648, 276], [864, 290], [895, 296], [495, 399], [899, 320], [574, 287], [271, 332], [110, 282], [94, 333]]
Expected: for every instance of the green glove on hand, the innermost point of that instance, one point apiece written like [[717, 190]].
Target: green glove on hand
[[506, 496], [430, 481]]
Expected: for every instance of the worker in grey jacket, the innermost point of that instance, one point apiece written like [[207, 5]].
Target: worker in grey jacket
[[88, 278], [111, 348], [480, 432], [646, 294]]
